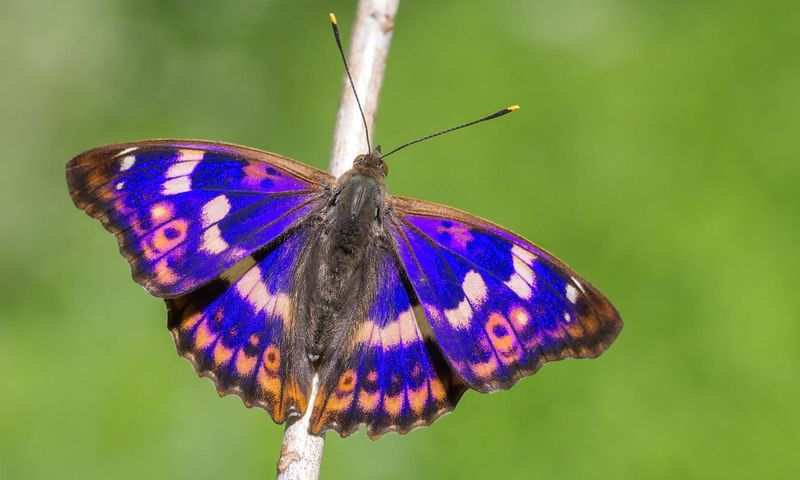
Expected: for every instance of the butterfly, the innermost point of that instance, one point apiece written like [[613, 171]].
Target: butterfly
[[282, 281], [274, 272]]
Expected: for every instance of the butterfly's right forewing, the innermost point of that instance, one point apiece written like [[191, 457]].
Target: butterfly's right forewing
[[498, 305]]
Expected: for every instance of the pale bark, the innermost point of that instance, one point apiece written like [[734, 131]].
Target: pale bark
[[301, 452]]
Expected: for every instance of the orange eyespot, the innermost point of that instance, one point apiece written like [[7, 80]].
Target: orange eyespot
[[385, 169]]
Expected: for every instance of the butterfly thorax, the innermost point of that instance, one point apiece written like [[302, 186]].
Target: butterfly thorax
[[342, 263]]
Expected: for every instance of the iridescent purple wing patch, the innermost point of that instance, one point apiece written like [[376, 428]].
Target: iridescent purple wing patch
[[237, 330], [498, 306], [184, 211], [390, 375]]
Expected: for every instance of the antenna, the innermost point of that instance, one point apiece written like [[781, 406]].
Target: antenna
[[502, 112], [350, 77]]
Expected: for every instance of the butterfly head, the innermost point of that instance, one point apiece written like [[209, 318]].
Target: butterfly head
[[372, 162]]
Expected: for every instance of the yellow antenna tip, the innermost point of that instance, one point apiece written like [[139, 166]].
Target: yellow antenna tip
[[333, 18], [513, 108]]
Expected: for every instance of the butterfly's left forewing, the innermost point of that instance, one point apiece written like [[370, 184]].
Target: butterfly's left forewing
[[184, 211], [498, 306]]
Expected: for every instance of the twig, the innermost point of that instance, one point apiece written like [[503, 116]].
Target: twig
[[369, 47], [301, 452]]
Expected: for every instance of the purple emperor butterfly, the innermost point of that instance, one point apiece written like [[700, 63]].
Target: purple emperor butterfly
[[274, 272]]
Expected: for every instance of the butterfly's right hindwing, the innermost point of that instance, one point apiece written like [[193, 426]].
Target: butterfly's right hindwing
[[389, 374]]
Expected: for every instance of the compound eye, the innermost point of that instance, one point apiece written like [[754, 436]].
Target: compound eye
[[385, 169]]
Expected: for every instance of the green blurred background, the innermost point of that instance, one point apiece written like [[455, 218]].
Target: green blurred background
[[656, 152]]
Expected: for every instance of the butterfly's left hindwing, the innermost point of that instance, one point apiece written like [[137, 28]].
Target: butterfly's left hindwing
[[498, 306], [239, 329], [184, 211]]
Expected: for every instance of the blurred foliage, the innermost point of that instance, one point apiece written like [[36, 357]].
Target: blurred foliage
[[656, 152]]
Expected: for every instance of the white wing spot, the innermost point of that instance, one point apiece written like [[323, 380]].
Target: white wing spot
[[176, 185], [252, 288], [474, 288], [181, 169], [401, 331], [215, 210], [460, 316], [368, 333], [120, 185], [572, 293], [213, 241], [190, 154], [408, 327], [126, 163], [523, 270], [519, 286], [567, 317], [523, 254]]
